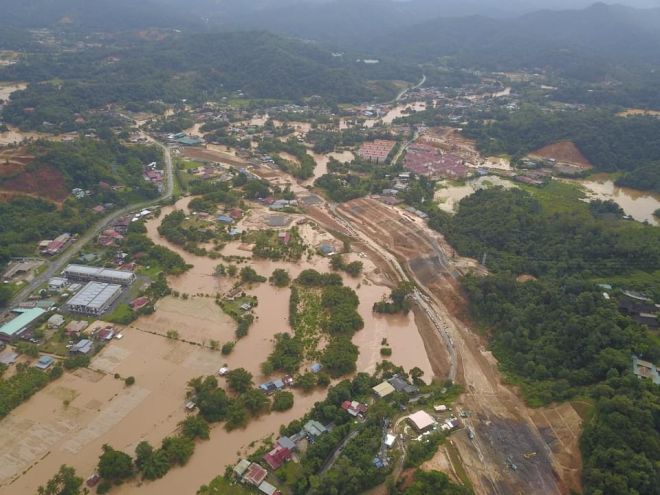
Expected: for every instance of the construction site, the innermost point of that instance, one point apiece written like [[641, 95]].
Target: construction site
[[506, 447]]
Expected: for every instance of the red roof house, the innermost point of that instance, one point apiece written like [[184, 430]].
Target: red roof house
[[276, 457]]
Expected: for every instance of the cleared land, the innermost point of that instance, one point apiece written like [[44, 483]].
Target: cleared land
[[564, 152]]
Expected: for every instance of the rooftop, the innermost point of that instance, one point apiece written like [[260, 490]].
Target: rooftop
[[24, 318], [383, 389], [94, 295], [421, 420]]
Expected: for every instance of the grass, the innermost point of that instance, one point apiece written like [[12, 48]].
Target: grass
[[584, 408], [559, 197], [221, 486], [310, 317], [457, 462], [233, 308]]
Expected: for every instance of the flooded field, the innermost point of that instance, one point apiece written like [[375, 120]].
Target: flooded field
[[640, 205], [448, 197], [322, 162]]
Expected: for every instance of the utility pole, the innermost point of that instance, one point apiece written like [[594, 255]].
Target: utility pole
[[483, 259]]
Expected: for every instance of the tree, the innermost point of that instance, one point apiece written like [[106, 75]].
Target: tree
[[195, 427], [282, 401], [114, 465], [227, 348], [306, 382], [339, 357], [255, 401], [280, 278], [129, 381], [237, 416], [27, 348], [178, 449], [143, 452], [156, 466], [239, 380], [65, 482], [249, 275]]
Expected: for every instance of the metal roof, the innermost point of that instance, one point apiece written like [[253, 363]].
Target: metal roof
[[95, 271], [24, 318], [94, 295]]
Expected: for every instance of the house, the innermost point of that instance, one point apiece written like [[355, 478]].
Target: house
[[401, 385], [354, 408], [8, 358], [268, 489], [284, 237], [83, 346], [271, 386], [422, 421], [383, 390], [57, 283], [246, 306], [55, 321], [139, 303], [390, 440], [276, 457], [226, 219], [450, 424], [75, 327], [241, 467], [646, 370], [236, 213], [255, 474], [440, 408], [314, 428], [105, 333], [327, 249], [44, 362], [235, 232], [315, 367], [287, 443]]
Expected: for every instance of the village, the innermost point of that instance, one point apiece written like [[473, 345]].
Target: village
[[132, 334]]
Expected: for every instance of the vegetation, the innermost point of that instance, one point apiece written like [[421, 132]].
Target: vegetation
[[21, 386], [268, 245], [282, 401], [354, 268], [280, 278], [64, 482], [557, 337], [303, 169], [399, 301], [250, 276], [434, 482], [115, 466], [610, 143]]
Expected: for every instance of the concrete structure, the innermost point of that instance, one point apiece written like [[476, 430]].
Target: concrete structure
[[383, 390], [421, 421], [57, 283], [55, 321], [8, 358], [94, 299], [75, 327], [255, 474], [314, 428], [389, 440], [268, 489], [241, 467], [646, 370], [20, 324], [401, 385], [96, 274], [276, 457]]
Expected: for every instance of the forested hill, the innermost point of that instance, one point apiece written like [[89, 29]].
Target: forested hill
[[599, 34], [195, 67], [104, 15]]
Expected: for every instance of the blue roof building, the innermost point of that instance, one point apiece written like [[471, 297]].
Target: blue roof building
[[225, 219], [44, 362]]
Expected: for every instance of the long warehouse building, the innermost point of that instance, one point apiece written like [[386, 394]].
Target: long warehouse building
[[96, 274], [94, 299]]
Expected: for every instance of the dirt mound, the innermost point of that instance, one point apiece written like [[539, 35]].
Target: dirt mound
[[563, 152], [45, 182]]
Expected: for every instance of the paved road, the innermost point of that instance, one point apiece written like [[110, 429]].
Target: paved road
[[56, 265], [403, 92]]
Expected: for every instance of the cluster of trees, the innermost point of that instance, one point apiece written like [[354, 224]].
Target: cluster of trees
[[197, 67], [398, 301], [611, 143], [304, 169], [557, 336], [154, 255], [25, 220], [434, 482], [268, 245], [326, 141], [215, 405], [279, 278], [520, 235], [354, 268], [24, 384], [188, 237]]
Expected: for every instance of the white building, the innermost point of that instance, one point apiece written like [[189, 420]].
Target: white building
[[97, 274], [94, 299]]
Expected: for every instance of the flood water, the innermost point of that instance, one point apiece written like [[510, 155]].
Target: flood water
[[640, 205], [448, 197]]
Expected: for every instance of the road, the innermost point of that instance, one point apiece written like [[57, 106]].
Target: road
[[57, 265], [404, 91]]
